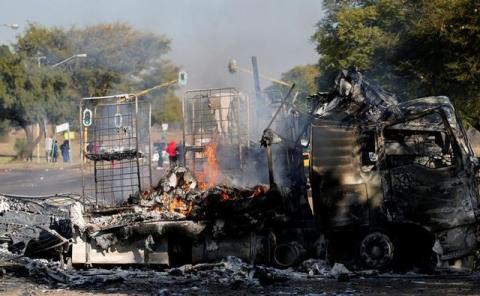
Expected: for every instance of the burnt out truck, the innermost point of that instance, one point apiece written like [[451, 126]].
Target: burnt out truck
[[393, 184]]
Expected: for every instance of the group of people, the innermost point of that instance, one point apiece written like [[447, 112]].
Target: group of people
[[53, 152]]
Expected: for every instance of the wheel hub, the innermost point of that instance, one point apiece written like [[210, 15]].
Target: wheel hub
[[376, 250]]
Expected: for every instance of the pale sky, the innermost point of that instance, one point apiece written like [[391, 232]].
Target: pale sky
[[204, 34]]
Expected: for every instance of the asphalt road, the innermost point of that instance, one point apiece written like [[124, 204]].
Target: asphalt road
[[45, 181], [40, 181]]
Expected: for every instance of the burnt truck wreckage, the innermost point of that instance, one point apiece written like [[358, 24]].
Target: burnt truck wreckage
[[392, 185], [396, 181]]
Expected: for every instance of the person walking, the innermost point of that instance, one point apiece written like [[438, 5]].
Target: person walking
[[172, 153], [48, 149], [64, 149], [54, 151]]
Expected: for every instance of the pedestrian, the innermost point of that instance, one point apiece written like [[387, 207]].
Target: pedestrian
[[181, 153], [54, 151], [64, 148], [48, 148], [172, 153]]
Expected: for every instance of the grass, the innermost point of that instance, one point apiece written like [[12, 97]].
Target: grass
[[5, 159]]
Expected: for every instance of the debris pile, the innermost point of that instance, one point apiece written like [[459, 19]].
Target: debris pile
[[180, 194], [35, 225], [229, 272]]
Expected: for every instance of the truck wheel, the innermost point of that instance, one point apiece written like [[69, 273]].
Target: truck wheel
[[376, 250]]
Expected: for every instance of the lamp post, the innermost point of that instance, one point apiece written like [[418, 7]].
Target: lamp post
[[80, 55], [233, 67], [39, 60], [11, 26], [181, 81]]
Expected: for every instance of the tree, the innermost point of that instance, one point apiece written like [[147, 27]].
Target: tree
[[119, 59], [27, 95], [303, 76], [412, 48]]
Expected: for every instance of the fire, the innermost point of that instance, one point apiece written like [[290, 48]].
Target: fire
[[258, 191], [210, 170], [224, 196], [178, 205]]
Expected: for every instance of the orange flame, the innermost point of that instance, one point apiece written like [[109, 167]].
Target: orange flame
[[210, 171], [258, 190], [224, 196], [178, 205]]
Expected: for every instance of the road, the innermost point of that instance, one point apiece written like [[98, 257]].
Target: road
[[11, 284], [40, 181], [45, 181]]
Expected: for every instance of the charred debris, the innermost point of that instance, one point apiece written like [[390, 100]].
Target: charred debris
[[393, 185]]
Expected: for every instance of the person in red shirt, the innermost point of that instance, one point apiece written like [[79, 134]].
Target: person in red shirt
[[172, 153]]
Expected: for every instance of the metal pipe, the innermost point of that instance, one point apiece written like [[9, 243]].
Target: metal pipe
[[284, 101], [80, 55], [146, 91], [263, 76], [150, 142]]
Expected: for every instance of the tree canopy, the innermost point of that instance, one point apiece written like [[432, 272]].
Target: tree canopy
[[412, 48], [304, 77], [119, 59]]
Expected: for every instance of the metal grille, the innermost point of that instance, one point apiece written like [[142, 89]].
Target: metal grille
[[215, 116], [115, 141]]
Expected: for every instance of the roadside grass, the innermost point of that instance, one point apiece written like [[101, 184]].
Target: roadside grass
[[5, 159]]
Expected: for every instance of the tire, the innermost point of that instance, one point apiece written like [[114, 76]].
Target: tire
[[376, 250]]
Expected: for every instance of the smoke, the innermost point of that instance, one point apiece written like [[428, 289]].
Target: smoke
[[252, 159], [204, 34]]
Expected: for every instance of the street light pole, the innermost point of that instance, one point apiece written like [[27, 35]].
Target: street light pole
[[39, 60], [80, 55], [11, 26], [233, 67]]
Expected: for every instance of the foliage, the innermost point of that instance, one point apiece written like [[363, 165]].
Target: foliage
[[21, 148], [119, 59], [303, 76], [412, 48], [4, 130], [171, 110]]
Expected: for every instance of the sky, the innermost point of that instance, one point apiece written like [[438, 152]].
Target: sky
[[205, 34]]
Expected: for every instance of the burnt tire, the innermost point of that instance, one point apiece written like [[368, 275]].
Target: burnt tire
[[376, 250]]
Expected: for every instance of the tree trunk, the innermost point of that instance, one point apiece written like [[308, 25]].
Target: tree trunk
[[32, 141]]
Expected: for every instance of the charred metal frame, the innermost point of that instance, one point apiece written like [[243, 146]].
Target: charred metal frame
[[115, 148], [351, 192], [214, 115]]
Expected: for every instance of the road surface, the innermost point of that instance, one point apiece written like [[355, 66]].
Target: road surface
[[40, 181], [45, 181]]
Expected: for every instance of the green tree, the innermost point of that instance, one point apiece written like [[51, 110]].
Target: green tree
[[27, 95], [119, 59], [303, 76], [412, 48]]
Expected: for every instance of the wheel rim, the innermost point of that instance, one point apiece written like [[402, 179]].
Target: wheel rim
[[376, 250]]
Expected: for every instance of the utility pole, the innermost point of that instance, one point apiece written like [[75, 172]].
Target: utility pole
[[256, 79], [258, 93]]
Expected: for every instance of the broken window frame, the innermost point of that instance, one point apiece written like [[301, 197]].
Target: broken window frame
[[457, 159]]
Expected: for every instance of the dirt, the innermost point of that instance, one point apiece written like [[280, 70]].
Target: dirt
[[14, 281]]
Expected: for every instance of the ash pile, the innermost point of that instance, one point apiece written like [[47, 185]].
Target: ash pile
[[230, 272]]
